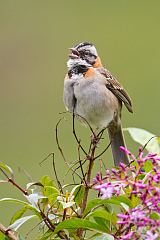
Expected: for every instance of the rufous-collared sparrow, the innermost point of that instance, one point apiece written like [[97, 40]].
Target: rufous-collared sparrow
[[91, 92]]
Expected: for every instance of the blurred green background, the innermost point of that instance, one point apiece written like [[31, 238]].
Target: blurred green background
[[34, 40]]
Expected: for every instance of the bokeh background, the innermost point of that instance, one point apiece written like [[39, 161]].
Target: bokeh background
[[34, 40]]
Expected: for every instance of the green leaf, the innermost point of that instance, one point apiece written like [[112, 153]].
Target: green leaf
[[94, 203], [79, 223], [135, 200], [155, 216], [78, 193], [51, 192], [20, 222], [46, 235], [28, 206], [114, 200], [13, 200], [7, 169], [148, 166], [103, 214], [18, 214], [31, 184], [103, 222], [117, 200], [142, 136], [47, 181], [3, 237], [125, 206]]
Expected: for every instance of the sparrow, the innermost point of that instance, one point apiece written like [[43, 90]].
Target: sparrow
[[92, 92]]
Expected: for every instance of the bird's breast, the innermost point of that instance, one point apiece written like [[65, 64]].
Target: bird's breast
[[95, 102]]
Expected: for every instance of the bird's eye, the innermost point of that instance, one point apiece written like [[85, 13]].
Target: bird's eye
[[89, 54], [83, 67]]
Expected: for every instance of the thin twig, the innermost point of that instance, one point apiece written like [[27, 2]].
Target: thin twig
[[8, 233], [30, 179], [143, 147], [55, 172], [58, 182], [104, 165], [90, 146], [75, 212], [75, 135], [87, 123], [51, 226], [46, 220], [64, 214], [14, 183], [88, 179], [50, 154], [101, 132], [148, 142], [61, 151], [103, 151], [73, 170], [80, 163], [5, 174], [18, 187], [57, 141], [32, 229]]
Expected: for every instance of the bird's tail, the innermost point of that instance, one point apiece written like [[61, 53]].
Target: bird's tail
[[117, 140]]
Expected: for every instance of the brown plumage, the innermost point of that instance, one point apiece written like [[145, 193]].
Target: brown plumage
[[116, 88]]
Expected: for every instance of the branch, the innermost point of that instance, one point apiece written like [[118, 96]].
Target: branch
[[7, 232], [51, 226], [75, 135], [61, 151], [94, 142], [14, 183]]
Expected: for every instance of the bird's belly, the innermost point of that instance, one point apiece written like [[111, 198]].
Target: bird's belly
[[95, 104]]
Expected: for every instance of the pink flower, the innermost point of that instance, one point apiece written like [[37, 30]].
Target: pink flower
[[141, 185], [98, 178], [137, 215], [141, 181], [123, 166], [107, 192], [151, 236], [124, 216], [125, 150], [128, 236]]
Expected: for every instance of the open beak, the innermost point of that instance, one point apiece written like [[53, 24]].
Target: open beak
[[74, 53]]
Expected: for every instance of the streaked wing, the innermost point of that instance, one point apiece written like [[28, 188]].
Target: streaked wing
[[114, 86]]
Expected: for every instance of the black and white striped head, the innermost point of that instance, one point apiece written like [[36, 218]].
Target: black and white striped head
[[83, 52]]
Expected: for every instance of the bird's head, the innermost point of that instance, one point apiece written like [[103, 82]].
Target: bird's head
[[84, 53]]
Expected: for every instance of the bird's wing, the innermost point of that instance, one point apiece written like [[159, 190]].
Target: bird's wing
[[114, 86], [68, 96]]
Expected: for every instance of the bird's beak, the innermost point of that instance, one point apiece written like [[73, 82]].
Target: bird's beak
[[74, 53]]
